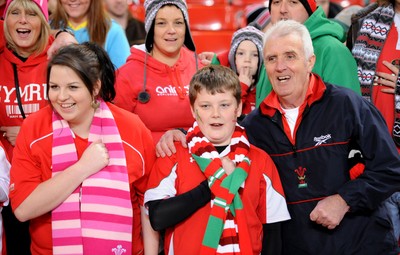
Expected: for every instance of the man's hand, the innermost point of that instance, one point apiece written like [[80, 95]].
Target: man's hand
[[330, 211], [165, 145], [63, 39]]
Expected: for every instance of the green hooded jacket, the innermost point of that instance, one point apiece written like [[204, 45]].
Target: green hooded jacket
[[334, 62]]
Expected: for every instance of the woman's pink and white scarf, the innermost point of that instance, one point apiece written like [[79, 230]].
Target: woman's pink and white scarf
[[97, 217]]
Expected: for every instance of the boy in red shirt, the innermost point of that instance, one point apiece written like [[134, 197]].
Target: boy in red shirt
[[246, 192]]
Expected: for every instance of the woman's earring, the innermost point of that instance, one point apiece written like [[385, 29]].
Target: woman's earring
[[95, 104]]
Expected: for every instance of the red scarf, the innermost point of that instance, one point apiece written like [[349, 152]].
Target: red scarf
[[226, 231]]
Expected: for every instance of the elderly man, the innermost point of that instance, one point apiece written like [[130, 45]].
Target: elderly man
[[308, 127], [334, 62]]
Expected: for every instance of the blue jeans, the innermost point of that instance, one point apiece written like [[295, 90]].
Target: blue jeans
[[392, 206]]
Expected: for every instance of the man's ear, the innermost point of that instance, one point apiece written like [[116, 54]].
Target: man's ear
[[311, 63]]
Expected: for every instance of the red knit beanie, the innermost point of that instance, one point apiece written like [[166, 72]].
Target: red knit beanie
[[41, 3]]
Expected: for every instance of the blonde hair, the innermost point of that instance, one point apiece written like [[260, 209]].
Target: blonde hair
[[44, 35], [98, 22]]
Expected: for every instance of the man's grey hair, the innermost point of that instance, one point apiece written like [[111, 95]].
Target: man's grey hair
[[288, 27]]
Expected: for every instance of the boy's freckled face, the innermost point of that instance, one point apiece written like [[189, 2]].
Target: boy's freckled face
[[216, 115]]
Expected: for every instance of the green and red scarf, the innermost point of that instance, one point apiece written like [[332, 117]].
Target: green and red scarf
[[227, 227]]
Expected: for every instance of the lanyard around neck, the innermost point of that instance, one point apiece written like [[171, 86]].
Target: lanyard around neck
[[18, 92]]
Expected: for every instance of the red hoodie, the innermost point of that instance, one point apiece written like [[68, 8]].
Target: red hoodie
[[32, 83], [168, 86], [2, 43]]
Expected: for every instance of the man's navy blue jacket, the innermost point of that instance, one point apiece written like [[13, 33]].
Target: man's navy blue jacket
[[314, 164]]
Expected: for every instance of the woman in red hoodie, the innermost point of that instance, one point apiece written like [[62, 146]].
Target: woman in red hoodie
[[25, 39], [155, 80]]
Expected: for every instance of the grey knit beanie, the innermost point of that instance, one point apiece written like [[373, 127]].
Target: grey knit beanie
[[152, 7], [247, 33]]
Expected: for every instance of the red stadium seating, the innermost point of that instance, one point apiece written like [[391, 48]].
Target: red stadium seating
[[244, 3], [347, 3], [215, 41], [206, 2], [217, 17], [137, 11], [211, 26]]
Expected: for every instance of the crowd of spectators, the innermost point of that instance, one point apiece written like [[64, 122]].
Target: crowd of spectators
[[119, 137]]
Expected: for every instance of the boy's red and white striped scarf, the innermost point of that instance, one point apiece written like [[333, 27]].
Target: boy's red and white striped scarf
[[226, 230], [97, 217]]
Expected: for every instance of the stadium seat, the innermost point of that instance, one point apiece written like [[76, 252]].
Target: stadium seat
[[347, 3], [137, 11], [215, 41], [244, 3], [206, 2], [216, 17], [201, 17]]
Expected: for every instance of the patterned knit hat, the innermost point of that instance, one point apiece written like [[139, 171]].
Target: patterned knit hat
[[41, 3], [152, 7], [247, 33], [309, 5], [257, 15]]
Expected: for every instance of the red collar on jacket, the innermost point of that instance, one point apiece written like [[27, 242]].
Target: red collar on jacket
[[315, 91], [271, 104]]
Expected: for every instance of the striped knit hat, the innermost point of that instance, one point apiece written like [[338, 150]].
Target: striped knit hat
[[309, 5], [247, 33], [257, 15], [152, 7]]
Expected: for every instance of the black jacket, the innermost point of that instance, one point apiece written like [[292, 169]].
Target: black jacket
[[314, 164]]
